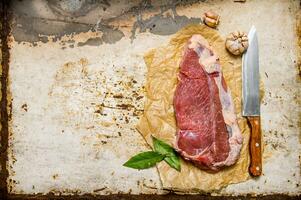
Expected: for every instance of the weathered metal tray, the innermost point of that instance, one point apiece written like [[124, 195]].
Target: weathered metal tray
[[72, 89]]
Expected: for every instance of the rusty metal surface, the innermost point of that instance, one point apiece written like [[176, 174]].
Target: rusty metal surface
[[155, 197], [76, 79], [4, 104]]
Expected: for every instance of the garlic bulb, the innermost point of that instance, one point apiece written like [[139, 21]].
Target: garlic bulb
[[237, 42], [211, 19]]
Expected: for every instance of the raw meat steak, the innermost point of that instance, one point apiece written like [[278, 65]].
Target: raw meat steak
[[208, 133]]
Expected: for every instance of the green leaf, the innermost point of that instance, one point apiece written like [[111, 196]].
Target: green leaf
[[174, 162], [144, 160], [162, 147], [172, 157]]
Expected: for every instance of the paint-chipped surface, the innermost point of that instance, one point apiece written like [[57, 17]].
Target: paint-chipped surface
[[75, 118], [5, 30], [0, 92], [76, 80]]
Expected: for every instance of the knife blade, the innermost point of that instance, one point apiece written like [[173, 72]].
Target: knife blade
[[250, 100], [250, 77]]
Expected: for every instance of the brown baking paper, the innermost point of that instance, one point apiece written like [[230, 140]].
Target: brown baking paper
[[159, 117]]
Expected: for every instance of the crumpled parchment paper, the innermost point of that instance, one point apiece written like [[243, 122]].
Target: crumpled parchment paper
[[159, 117]]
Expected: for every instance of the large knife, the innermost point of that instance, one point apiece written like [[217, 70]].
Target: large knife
[[251, 102]]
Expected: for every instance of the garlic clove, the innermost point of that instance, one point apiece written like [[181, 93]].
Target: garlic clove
[[241, 49], [211, 22], [245, 44], [211, 19], [211, 14], [236, 34], [244, 38], [237, 42]]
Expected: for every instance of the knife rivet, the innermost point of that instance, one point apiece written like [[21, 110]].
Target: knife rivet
[[257, 168], [256, 144]]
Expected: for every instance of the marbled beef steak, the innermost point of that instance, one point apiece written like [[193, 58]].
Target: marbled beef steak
[[208, 133]]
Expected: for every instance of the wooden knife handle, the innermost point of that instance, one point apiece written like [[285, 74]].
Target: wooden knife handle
[[255, 146]]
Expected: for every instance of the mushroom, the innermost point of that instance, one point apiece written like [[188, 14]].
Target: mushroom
[[237, 42], [211, 19]]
